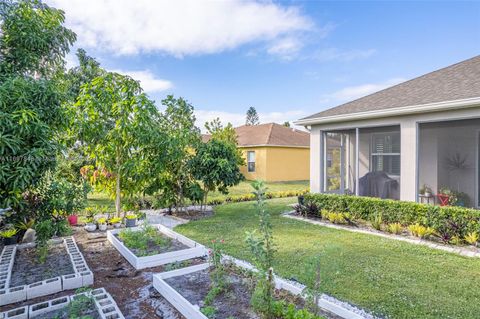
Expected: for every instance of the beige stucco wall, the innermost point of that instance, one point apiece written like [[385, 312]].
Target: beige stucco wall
[[275, 164], [408, 126]]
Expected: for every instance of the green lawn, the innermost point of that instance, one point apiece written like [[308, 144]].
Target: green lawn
[[389, 277], [102, 199]]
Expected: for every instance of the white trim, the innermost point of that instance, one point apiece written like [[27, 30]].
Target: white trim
[[404, 110], [477, 175], [271, 145], [357, 160]]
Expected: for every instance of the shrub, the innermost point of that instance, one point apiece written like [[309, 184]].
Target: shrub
[[377, 221], [472, 238], [421, 231], [395, 228], [335, 218], [446, 221], [251, 197]]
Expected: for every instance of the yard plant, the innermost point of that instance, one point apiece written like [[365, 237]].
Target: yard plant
[[389, 277], [142, 239], [451, 224]]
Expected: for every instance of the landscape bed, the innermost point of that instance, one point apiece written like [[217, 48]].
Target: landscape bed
[[95, 304], [22, 278], [180, 248], [187, 288]]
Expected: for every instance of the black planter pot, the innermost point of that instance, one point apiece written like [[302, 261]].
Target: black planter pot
[[130, 222], [301, 200], [10, 240]]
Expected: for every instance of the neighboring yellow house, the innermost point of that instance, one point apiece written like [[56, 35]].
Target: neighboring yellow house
[[274, 153]]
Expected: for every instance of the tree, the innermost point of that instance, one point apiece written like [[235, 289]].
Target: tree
[[116, 122], [178, 123], [33, 43], [286, 124], [223, 133], [216, 166], [252, 117]]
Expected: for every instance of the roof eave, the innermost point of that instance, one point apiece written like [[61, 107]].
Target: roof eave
[[398, 111]]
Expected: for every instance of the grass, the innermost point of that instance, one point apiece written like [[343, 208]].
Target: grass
[[389, 277], [102, 199]]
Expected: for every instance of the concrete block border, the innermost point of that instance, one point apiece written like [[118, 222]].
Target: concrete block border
[[104, 303], [195, 250], [82, 275], [193, 312]]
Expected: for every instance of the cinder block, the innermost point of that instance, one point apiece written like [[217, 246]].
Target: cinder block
[[87, 278], [72, 281], [48, 306], [14, 294], [44, 288], [17, 313]]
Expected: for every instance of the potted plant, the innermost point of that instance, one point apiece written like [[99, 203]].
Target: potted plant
[[90, 225], [72, 219], [116, 222], [9, 236], [131, 220], [102, 224], [427, 191], [444, 196]]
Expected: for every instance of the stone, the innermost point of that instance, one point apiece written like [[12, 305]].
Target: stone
[[30, 236]]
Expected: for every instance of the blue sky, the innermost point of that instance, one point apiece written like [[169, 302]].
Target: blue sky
[[288, 59]]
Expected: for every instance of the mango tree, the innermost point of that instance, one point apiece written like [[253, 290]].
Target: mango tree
[[118, 125]]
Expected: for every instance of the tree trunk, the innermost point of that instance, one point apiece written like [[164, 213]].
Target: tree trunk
[[118, 207]]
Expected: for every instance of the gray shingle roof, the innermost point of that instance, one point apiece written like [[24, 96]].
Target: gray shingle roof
[[455, 82]]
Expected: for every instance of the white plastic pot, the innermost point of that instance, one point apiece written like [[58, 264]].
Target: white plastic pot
[[90, 227], [102, 227], [117, 225]]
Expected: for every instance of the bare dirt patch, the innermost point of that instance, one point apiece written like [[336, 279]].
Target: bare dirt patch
[[27, 269]]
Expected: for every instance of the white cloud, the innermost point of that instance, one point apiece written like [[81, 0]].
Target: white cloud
[[238, 119], [286, 48], [181, 27], [354, 92], [148, 81], [334, 54]]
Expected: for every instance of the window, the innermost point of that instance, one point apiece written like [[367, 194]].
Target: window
[[386, 153], [251, 161]]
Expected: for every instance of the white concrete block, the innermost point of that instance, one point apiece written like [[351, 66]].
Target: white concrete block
[[47, 306], [13, 294], [72, 281], [18, 313], [44, 288], [87, 277]]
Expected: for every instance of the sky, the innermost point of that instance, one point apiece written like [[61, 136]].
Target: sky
[[288, 59]]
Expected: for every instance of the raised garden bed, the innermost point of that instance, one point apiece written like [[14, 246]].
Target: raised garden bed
[[187, 288], [95, 304], [164, 247], [23, 278]]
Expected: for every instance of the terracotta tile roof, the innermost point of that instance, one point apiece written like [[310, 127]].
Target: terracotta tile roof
[[455, 82], [270, 134]]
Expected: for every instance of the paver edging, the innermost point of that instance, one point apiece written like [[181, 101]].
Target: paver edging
[[455, 250]]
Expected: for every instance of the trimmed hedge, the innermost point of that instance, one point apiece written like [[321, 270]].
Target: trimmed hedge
[[448, 221], [251, 196]]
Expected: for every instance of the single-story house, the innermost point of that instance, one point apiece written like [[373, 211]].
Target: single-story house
[[273, 152], [422, 133]]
